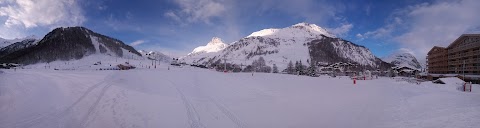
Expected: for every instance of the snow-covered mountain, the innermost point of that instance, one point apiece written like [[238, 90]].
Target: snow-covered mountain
[[215, 45], [155, 55], [300, 30], [18, 45], [300, 42], [211, 49], [66, 44], [7, 42], [403, 59]]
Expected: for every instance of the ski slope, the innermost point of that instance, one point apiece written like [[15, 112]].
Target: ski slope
[[200, 98]]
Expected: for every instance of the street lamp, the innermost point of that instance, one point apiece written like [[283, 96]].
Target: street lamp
[[128, 59], [463, 70]]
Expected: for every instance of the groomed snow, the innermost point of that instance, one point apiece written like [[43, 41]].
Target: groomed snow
[[193, 97]]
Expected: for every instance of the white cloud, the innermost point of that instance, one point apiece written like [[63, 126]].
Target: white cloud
[[173, 16], [102, 7], [359, 35], [380, 32], [368, 8], [194, 11], [19, 18], [405, 50], [33, 13], [138, 42], [12, 32], [122, 23], [385, 31], [437, 24], [342, 30]]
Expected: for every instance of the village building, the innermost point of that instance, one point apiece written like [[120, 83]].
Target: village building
[[461, 58]]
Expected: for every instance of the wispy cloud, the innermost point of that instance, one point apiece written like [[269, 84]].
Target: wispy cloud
[[342, 30], [22, 16], [385, 31], [122, 23], [194, 11], [316, 11], [368, 8], [437, 24], [33, 13], [138, 42]]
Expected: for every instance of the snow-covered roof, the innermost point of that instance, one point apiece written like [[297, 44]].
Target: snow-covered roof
[[453, 75], [444, 75], [450, 80], [423, 74]]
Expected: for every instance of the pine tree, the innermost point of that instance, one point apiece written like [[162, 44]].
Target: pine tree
[[290, 68], [275, 68], [261, 61], [301, 68], [297, 66], [255, 65], [312, 68]]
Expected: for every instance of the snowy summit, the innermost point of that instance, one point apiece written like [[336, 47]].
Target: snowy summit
[[155, 55], [298, 30], [215, 45], [7, 42], [403, 59], [300, 42]]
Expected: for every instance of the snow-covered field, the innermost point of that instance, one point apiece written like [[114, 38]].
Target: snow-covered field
[[200, 98]]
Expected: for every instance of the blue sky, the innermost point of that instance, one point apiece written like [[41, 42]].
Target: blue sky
[[177, 26]]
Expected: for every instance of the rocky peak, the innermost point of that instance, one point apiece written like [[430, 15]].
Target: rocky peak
[[299, 30], [215, 45], [403, 59], [215, 41]]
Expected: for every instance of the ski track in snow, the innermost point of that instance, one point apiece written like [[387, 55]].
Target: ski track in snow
[[194, 117], [230, 115], [92, 108], [192, 114], [197, 98], [33, 120]]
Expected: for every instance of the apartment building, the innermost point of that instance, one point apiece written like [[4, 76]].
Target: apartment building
[[461, 57], [437, 60]]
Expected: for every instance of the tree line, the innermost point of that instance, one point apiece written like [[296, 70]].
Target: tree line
[[260, 65]]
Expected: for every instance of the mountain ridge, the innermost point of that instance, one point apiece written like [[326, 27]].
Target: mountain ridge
[[67, 43], [403, 59], [300, 42]]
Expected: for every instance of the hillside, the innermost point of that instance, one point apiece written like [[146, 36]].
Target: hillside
[[300, 42], [69, 43]]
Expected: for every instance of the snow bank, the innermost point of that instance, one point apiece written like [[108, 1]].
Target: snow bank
[[452, 81]]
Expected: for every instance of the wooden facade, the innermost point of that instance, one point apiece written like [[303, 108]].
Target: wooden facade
[[437, 60], [461, 56]]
